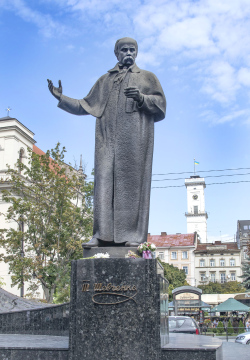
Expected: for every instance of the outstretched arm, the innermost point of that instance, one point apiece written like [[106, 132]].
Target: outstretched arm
[[55, 91], [65, 103]]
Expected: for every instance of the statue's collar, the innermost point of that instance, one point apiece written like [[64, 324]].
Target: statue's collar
[[134, 68]]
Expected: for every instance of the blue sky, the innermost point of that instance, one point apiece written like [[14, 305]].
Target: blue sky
[[199, 50]]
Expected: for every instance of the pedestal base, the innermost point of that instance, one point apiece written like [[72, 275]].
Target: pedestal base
[[115, 310]]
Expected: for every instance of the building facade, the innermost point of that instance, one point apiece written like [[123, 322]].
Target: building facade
[[15, 140], [243, 237], [196, 214], [217, 262], [177, 250]]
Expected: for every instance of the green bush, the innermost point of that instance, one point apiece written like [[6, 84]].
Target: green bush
[[230, 329], [210, 330], [241, 328], [220, 328]]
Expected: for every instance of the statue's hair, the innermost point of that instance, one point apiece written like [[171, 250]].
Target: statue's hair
[[125, 40]]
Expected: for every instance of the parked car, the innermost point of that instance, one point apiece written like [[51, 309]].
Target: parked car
[[183, 324], [243, 338]]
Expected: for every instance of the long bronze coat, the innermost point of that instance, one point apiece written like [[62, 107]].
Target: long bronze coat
[[124, 140]]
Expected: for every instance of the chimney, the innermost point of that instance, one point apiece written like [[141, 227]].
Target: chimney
[[163, 233]]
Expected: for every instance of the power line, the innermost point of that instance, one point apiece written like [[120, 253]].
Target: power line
[[202, 171], [227, 182], [205, 177]]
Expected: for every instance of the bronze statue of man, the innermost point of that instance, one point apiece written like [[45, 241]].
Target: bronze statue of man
[[126, 102]]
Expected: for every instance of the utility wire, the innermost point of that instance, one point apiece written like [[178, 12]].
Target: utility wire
[[227, 182], [201, 171], [205, 177]]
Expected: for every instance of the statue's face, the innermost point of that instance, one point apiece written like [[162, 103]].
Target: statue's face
[[127, 54]]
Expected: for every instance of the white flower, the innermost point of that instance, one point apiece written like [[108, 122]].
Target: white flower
[[153, 246], [101, 256]]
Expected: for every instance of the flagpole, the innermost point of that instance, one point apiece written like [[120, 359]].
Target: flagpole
[[194, 167]]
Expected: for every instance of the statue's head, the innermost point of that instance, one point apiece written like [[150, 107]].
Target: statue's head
[[126, 50]]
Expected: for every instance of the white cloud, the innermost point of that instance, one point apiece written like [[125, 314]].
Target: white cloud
[[244, 76], [45, 23], [211, 35]]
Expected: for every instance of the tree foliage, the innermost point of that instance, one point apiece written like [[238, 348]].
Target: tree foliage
[[175, 276], [246, 274], [50, 209], [241, 327], [220, 328], [230, 329], [229, 287]]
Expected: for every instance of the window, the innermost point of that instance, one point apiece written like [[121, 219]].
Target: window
[[245, 254], [222, 262], [232, 262], [202, 263], [161, 255], [223, 278], [21, 156], [185, 268], [184, 254], [245, 227], [203, 277], [213, 278], [196, 209], [233, 277], [212, 262], [174, 255]]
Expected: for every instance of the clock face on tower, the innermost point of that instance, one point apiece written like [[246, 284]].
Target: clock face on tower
[[195, 197]]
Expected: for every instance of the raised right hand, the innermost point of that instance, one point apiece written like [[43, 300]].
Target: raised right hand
[[55, 91]]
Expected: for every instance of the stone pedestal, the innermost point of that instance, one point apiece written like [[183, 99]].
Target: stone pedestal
[[117, 312]]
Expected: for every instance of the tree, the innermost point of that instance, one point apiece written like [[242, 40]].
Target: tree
[[241, 327], [246, 274], [51, 206], [220, 328], [175, 276], [230, 287], [230, 329]]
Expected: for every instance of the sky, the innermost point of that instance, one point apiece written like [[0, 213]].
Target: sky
[[200, 52]]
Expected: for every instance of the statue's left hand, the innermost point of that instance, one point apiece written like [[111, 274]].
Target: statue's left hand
[[134, 93]]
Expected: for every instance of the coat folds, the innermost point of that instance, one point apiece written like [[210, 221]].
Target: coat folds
[[124, 139]]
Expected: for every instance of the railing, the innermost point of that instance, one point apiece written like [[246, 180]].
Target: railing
[[223, 333]]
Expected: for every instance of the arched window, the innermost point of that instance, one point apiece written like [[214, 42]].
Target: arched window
[[21, 157]]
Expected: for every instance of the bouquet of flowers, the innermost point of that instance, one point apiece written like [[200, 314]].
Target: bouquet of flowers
[[146, 246], [101, 255]]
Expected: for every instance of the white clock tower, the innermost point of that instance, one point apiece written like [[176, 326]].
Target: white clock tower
[[196, 214]]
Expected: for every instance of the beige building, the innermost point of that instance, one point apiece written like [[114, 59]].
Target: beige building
[[217, 262], [177, 250]]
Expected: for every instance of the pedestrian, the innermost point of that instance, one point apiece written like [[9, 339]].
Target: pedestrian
[[248, 325]]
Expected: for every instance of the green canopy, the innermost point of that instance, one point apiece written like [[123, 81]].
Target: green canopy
[[230, 305]]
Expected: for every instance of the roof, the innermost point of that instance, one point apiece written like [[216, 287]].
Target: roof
[[217, 247], [230, 305], [11, 118], [38, 151], [165, 240], [187, 288]]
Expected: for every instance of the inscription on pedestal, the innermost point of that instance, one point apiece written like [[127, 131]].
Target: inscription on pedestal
[[106, 293]]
